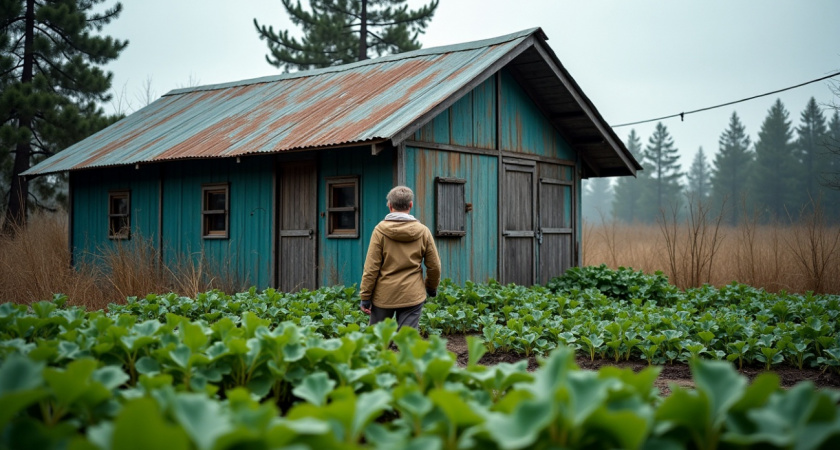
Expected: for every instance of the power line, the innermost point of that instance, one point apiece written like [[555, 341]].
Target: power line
[[683, 114]]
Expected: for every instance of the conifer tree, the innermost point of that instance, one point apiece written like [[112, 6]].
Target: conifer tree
[[597, 199], [344, 31], [832, 146], [50, 58], [811, 154], [628, 190], [662, 190], [731, 167], [698, 176], [830, 178], [772, 179]]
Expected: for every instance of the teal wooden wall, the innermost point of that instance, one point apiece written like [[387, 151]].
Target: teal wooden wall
[[341, 260], [470, 122], [247, 255], [474, 256], [90, 209], [524, 128]]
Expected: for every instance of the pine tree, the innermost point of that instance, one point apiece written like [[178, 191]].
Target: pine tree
[[344, 31], [49, 60], [831, 178], [699, 186], [775, 168], [810, 152], [628, 190], [731, 167], [662, 190], [597, 198]]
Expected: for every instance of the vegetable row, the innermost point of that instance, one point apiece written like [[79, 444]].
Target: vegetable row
[[90, 381]]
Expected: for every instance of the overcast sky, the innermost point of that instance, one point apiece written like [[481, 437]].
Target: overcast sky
[[635, 59]]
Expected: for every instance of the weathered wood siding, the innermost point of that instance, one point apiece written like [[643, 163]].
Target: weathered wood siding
[[474, 256], [524, 128], [470, 122], [246, 256], [89, 222], [341, 260]]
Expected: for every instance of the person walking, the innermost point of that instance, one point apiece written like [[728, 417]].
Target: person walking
[[392, 281]]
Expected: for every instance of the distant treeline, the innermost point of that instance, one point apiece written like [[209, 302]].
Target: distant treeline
[[781, 176]]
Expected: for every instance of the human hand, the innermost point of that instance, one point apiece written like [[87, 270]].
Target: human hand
[[431, 292], [365, 306]]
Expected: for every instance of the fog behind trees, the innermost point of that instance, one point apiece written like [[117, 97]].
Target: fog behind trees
[[791, 166]]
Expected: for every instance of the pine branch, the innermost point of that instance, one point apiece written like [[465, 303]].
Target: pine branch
[[9, 22], [54, 67], [12, 69], [41, 205], [67, 41]]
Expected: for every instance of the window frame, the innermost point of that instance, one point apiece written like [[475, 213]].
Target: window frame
[[460, 209], [125, 232], [342, 233], [206, 213]]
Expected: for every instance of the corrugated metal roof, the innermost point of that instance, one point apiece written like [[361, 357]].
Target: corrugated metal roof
[[365, 102], [361, 102]]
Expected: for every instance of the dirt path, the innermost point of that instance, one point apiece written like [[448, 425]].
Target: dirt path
[[671, 374]]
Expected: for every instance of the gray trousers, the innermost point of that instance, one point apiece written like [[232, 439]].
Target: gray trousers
[[408, 316]]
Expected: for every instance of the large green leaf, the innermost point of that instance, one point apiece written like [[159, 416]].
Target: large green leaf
[[368, 407], [457, 411], [70, 384], [801, 418], [111, 377], [314, 388], [202, 418], [521, 428], [140, 426], [476, 348], [19, 373], [721, 384]]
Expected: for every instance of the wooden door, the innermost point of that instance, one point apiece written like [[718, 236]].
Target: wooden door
[[297, 263], [519, 222], [555, 233]]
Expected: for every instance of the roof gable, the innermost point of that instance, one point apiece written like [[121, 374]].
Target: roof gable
[[385, 99]]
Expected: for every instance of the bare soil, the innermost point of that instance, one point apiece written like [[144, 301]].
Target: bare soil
[[678, 374]]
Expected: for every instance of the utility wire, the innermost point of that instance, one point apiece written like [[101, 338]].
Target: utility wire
[[683, 114]]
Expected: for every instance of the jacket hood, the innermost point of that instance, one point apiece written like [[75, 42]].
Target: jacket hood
[[401, 231]]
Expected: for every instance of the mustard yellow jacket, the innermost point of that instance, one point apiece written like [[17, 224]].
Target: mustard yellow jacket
[[393, 275]]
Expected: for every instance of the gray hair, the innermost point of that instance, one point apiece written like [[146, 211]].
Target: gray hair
[[400, 198]]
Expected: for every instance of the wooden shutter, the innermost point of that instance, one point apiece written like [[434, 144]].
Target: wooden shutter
[[450, 207]]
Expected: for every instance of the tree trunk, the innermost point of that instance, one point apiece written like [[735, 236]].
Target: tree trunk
[[19, 192], [363, 33]]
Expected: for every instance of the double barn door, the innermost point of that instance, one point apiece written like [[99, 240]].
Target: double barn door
[[537, 220]]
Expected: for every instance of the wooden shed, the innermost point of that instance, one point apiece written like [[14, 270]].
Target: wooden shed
[[280, 180]]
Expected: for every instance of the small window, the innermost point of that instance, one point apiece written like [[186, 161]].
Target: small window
[[450, 207], [214, 211], [343, 207], [119, 215]]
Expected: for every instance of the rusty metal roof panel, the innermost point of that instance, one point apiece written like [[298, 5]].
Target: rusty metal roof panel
[[355, 103]]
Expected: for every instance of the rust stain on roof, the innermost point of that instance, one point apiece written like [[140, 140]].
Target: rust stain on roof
[[359, 102]]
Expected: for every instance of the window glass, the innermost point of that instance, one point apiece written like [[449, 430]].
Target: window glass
[[119, 219], [343, 207], [216, 200], [215, 212], [344, 195]]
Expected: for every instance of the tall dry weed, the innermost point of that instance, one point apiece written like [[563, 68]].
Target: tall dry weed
[[35, 264], [772, 256]]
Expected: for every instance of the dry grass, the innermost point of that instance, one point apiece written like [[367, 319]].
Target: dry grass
[[35, 265], [794, 258]]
